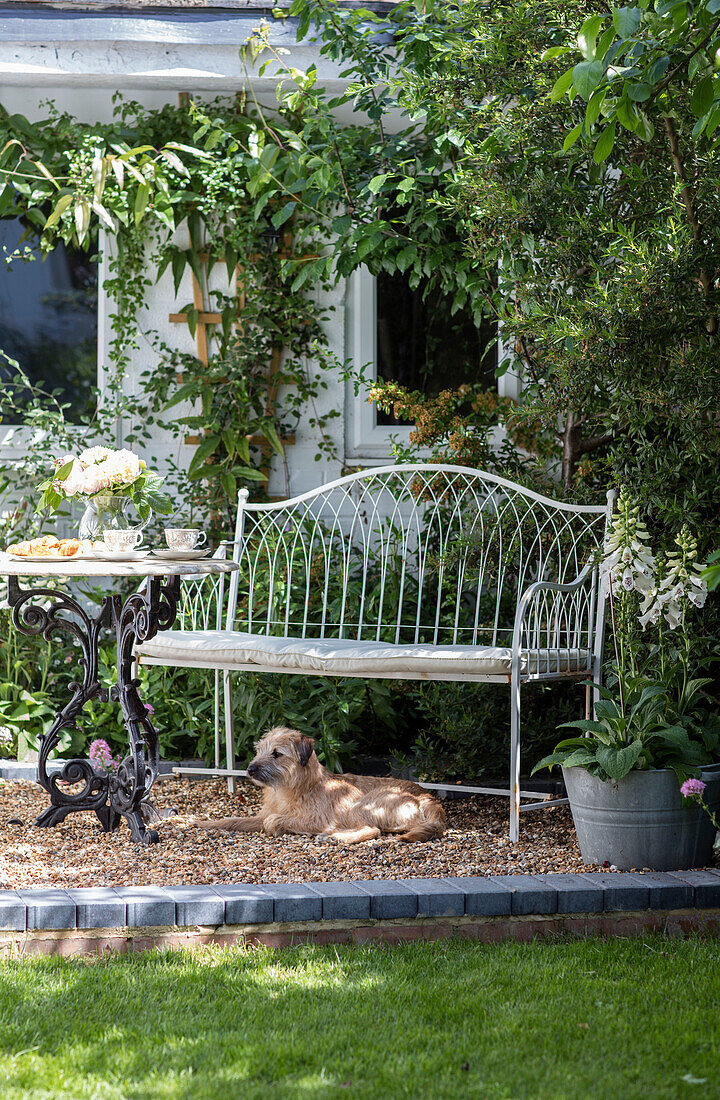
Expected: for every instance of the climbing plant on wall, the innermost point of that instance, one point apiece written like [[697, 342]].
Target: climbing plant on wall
[[282, 196]]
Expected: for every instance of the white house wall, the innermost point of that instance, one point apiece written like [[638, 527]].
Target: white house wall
[[79, 63]]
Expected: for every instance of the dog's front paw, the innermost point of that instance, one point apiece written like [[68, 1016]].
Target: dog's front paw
[[326, 838], [273, 825]]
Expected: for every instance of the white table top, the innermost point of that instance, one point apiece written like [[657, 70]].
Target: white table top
[[144, 567]]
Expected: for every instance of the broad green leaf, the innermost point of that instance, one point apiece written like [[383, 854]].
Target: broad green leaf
[[583, 724], [554, 51], [228, 483], [141, 201], [588, 35], [592, 112], [174, 161], [247, 473], [207, 448], [618, 762], [178, 269], [580, 758], [60, 208], [702, 97], [607, 708], [713, 120], [378, 182], [281, 216], [572, 137], [605, 143], [184, 393], [561, 86], [192, 315], [604, 42], [627, 21], [104, 216], [273, 438], [645, 129], [625, 114], [638, 93], [229, 438], [587, 76], [657, 70], [406, 256], [82, 219]]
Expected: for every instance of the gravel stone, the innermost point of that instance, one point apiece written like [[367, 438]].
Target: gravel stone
[[77, 853]]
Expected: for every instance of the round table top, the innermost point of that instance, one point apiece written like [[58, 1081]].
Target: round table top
[[88, 567]]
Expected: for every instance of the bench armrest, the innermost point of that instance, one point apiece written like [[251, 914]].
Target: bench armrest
[[557, 615]]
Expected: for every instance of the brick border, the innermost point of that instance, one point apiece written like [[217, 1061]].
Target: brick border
[[78, 942], [493, 908]]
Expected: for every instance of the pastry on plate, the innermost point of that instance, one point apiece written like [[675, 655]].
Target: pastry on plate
[[49, 546]]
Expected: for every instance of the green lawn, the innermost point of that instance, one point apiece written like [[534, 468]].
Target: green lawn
[[592, 1018]]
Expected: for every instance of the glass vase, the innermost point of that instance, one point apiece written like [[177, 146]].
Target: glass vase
[[107, 512]]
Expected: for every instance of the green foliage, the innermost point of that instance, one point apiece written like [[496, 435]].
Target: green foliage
[[655, 712], [596, 231], [643, 62], [461, 731], [636, 733]]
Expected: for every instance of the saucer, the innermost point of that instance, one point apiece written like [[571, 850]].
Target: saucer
[[181, 555], [118, 555]]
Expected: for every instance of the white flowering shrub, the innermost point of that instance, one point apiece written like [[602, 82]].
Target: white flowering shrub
[[654, 712]]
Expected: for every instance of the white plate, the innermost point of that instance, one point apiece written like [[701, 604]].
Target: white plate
[[40, 557], [105, 555], [181, 555]]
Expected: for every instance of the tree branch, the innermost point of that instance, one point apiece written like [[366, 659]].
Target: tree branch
[[701, 45]]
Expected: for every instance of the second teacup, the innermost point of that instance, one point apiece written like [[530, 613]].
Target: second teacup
[[184, 538], [121, 541]]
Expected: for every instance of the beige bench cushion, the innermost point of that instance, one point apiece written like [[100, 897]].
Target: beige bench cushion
[[230, 649]]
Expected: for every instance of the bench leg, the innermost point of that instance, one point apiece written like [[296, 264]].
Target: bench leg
[[217, 717], [514, 758], [229, 730]]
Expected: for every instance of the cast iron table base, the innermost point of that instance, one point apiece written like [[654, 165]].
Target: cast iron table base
[[124, 793]]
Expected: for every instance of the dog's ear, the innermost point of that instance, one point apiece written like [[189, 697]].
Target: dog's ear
[[304, 748]]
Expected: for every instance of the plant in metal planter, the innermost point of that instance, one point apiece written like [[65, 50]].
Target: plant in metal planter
[[654, 726]]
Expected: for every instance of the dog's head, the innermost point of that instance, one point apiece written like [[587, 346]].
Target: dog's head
[[281, 758]]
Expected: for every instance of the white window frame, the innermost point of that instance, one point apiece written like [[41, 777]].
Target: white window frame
[[365, 439]]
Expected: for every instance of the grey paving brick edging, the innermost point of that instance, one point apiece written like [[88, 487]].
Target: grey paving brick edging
[[378, 899]]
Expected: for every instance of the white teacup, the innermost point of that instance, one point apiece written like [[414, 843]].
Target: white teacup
[[122, 541], [184, 538]]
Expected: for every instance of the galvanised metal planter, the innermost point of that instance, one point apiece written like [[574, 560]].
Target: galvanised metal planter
[[641, 821]]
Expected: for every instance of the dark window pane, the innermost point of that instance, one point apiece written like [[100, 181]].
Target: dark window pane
[[424, 347], [48, 322]]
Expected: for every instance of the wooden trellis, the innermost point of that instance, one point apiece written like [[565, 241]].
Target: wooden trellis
[[207, 319]]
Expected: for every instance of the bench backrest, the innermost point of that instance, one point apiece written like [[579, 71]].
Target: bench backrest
[[407, 553]]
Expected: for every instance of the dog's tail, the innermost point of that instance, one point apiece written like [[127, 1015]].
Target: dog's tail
[[430, 826]]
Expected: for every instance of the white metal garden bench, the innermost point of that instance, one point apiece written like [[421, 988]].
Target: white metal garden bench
[[416, 572]]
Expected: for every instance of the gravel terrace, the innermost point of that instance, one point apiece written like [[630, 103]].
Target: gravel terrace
[[77, 852]]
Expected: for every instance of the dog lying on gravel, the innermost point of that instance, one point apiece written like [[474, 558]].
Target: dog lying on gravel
[[301, 796]]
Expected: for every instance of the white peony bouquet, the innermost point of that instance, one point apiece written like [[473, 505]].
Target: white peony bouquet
[[103, 471]]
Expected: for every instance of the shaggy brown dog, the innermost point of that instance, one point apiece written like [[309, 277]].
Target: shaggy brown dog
[[301, 796]]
